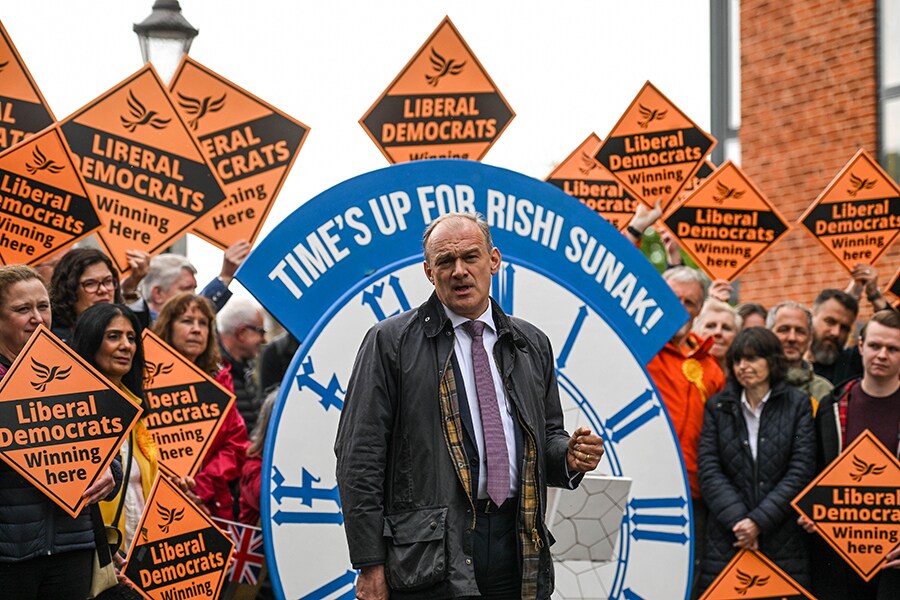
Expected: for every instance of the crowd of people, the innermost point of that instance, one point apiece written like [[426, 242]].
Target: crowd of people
[[764, 400], [81, 298], [761, 401]]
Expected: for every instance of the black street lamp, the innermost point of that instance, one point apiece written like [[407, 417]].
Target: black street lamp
[[165, 36]]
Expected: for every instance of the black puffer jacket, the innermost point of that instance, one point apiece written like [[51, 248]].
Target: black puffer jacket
[[245, 393], [32, 525], [735, 486]]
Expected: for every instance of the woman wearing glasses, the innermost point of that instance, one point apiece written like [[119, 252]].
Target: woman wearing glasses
[[82, 278]]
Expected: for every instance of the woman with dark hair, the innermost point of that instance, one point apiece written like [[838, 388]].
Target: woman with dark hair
[[87, 276], [757, 452], [44, 552], [82, 278], [187, 322], [108, 337]]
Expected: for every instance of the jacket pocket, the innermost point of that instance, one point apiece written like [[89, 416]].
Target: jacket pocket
[[416, 552]]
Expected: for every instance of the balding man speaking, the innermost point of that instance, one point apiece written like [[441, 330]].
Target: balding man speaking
[[451, 432]]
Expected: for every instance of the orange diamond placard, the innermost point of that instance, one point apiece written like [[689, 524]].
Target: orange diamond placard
[[654, 149], [751, 575], [61, 421], [23, 110], [857, 216], [178, 551], [579, 175], [726, 223], [185, 406], [855, 504], [44, 201], [443, 104], [251, 144], [705, 170], [142, 165]]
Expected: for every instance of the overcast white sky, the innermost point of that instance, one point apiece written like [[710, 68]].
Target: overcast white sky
[[567, 68]]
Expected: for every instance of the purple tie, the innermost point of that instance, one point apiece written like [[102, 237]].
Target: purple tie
[[491, 425]]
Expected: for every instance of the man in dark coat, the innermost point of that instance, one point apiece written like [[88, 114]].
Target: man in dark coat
[[442, 496], [871, 402], [241, 333]]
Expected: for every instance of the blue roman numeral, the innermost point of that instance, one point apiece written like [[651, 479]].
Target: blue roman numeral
[[503, 287], [633, 416], [328, 395], [570, 339], [373, 297], [348, 578], [658, 519], [306, 492]]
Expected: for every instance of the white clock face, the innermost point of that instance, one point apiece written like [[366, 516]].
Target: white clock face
[[603, 385]]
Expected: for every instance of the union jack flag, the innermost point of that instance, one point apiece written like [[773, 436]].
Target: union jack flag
[[248, 558]]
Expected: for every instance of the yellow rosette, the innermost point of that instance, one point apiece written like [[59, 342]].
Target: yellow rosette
[[693, 372]]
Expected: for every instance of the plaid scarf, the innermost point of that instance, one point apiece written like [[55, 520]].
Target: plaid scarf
[[529, 500]]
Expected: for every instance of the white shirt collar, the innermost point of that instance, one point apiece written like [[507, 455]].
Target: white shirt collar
[[487, 317], [746, 403]]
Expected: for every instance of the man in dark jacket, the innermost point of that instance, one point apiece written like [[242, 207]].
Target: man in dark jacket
[[449, 436], [241, 333], [873, 403]]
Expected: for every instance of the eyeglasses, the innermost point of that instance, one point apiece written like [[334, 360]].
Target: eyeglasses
[[259, 330], [92, 285]]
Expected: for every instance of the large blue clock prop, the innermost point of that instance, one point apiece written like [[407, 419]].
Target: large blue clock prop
[[352, 256]]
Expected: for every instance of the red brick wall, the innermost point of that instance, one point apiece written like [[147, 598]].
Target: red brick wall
[[808, 102]]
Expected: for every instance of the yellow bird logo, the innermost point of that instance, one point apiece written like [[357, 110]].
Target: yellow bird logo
[[749, 581], [588, 164], [862, 468], [169, 517], [47, 374], [723, 193], [650, 115], [858, 184], [442, 66], [197, 108], [153, 370], [42, 163], [141, 116]]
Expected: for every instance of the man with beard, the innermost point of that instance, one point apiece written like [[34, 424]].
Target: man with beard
[[791, 323], [834, 313], [870, 402], [686, 375]]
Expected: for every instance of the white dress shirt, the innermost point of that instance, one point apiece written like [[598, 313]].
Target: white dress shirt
[[751, 417]]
